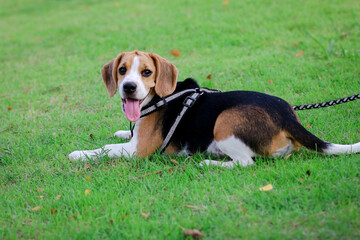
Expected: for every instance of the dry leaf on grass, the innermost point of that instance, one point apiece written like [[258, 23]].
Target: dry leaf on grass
[[37, 208], [308, 126], [87, 192], [175, 53], [225, 3], [72, 216], [145, 215], [126, 216], [195, 207], [53, 211], [39, 189], [208, 77], [88, 179], [111, 221], [92, 136], [270, 81], [27, 90], [10, 108], [298, 54], [266, 188], [57, 197], [243, 210], [194, 233], [174, 162], [308, 172], [41, 197]]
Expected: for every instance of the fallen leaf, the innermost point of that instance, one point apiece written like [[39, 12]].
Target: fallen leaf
[[175, 53], [111, 221], [243, 210], [27, 90], [174, 162], [57, 197], [10, 108], [92, 136], [41, 197], [53, 211], [208, 77], [93, 209], [72, 216], [325, 92], [308, 172], [87, 192], [225, 3], [195, 207], [296, 44], [194, 233], [125, 216], [266, 188], [145, 215], [171, 170], [298, 54], [308, 126], [39, 189], [287, 157], [301, 180], [37, 208], [88, 179], [270, 81]]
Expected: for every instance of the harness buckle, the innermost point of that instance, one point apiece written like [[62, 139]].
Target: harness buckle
[[161, 103], [193, 100]]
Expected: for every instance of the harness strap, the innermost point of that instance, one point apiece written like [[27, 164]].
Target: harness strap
[[188, 103], [164, 101]]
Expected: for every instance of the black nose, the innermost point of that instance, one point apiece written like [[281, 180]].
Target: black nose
[[129, 87]]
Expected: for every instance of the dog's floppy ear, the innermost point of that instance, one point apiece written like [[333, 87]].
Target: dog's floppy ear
[[166, 76], [109, 74]]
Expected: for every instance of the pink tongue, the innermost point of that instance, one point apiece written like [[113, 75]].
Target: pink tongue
[[132, 109]]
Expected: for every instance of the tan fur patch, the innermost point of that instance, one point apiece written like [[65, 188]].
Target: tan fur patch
[[279, 141], [171, 149], [150, 135]]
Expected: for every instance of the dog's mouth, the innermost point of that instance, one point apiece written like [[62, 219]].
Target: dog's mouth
[[132, 108]]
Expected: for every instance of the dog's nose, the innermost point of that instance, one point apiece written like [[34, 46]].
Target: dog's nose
[[129, 87]]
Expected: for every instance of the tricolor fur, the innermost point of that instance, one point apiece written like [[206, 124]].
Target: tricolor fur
[[238, 124]]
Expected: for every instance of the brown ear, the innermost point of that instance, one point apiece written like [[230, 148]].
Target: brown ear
[[166, 76], [109, 74]]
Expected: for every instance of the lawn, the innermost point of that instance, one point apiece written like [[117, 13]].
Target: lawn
[[53, 101]]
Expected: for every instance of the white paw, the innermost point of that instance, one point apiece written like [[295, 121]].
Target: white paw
[[205, 163], [123, 134], [78, 156]]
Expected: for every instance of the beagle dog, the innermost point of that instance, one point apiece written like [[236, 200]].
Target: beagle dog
[[238, 124]]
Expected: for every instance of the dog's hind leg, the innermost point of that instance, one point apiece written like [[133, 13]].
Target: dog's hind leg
[[236, 149]]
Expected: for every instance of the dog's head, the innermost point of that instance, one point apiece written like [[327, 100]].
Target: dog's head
[[139, 76]]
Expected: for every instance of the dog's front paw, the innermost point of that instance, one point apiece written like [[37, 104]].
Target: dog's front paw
[[78, 156], [123, 134], [205, 163]]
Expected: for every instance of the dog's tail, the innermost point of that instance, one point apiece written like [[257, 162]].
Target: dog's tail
[[310, 141]]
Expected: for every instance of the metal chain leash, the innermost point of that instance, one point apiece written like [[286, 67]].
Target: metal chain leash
[[326, 104]]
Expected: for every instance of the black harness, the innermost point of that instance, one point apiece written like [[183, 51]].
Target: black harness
[[193, 95]]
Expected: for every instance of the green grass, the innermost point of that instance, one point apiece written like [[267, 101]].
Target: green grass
[[50, 56]]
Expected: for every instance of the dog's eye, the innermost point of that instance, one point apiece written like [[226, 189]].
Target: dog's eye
[[146, 73], [122, 70]]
